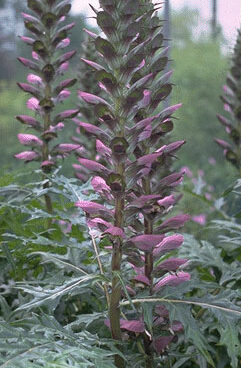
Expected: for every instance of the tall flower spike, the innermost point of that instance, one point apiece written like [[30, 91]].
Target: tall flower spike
[[49, 37], [87, 81], [136, 158], [232, 104]]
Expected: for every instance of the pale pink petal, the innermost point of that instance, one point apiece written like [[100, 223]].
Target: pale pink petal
[[200, 219], [212, 161], [115, 231], [186, 171], [27, 155], [175, 222], [34, 79], [102, 148], [29, 140], [33, 104], [63, 95], [168, 243], [167, 201], [143, 279], [35, 56], [92, 207], [67, 147], [172, 280], [99, 184], [171, 264], [146, 242], [64, 43], [92, 165]]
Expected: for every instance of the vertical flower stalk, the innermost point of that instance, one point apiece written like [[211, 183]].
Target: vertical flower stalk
[[134, 178], [49, 62], [88, 81], [232, 104]]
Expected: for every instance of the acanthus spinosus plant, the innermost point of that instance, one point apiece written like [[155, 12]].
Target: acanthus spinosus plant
[[49, 39], [131, 178], [87, 80], [232, 104]]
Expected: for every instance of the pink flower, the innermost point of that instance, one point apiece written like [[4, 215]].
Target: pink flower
[[67, 147], [115, 231], [168, 243], [92, 207], [47, 163], [133, 325], [211, 188], [146, 98], [27, 40], [227, 107], [27, 156], [146, 242], [208, 196], [162, 342], [200, 219], [172, 280], [29, 140], [167, 201], [171, 264], [212, 161], [91, 99], [63, 68], [99, 184], [175, 222], [33, 104], [35, 56], [98, 223], [58, 127], [63, 95], [34, 79], [102, 148], [64, 43], [187, 171], [222, 143]]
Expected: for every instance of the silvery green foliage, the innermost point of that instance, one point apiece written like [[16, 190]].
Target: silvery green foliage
[[40, 339]]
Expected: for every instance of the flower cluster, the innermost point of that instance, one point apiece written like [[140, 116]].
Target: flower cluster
[[232, 104], [133, 178], [87, 80], [49, 62]]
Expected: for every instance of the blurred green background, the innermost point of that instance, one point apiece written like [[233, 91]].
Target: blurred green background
[[200, 65]]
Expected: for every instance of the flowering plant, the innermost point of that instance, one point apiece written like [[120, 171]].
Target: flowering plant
[[232, 104], [49, 38], [132, 180]]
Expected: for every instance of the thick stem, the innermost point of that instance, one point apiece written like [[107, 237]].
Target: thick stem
[[149, 362], [148, 228], [45, 150], [114, 312]]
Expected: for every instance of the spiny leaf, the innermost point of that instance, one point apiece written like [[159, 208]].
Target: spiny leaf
[[231, 339], [44, 296]]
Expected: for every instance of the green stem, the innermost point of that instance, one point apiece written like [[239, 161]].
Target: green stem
[[45, 151], [114, 311], [148, 228]]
